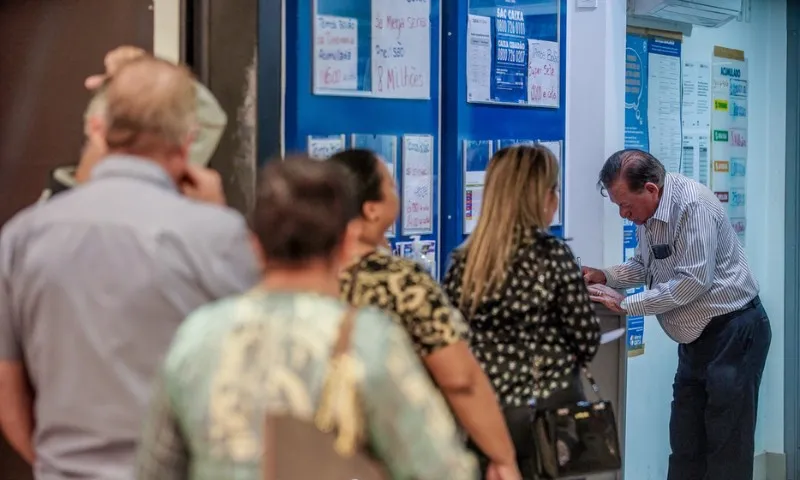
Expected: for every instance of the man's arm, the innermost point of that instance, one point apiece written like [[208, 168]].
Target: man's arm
[[163, 453], [630, 274], [695, 247], [409, 423], [16, 397]]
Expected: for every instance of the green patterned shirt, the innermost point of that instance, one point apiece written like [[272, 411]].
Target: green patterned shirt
[[233, 360]]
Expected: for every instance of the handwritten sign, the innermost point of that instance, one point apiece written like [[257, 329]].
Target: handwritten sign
[[543, 73], [417, 184], [335, 53], [320, 148], [401, 48]]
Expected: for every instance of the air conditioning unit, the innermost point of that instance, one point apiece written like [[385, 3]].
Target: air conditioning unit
[[706, 13]]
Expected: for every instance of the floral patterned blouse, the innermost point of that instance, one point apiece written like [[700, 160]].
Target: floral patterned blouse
[[409, 295], [234, 360], [533, 333]]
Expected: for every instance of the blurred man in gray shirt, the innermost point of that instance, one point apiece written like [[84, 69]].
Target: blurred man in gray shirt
[[93, 285]]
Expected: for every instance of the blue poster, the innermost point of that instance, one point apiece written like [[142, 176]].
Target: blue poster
[[510, 64], [636, 133], [635, 324], [477, 154], [635, 336], [384, 145]]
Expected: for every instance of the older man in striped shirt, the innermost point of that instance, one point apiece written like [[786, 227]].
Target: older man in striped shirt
[[703, 293]]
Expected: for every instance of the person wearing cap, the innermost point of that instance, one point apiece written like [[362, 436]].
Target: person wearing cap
[[210, 117], [94, 284]]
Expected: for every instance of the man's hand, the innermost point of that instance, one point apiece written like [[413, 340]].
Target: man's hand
[[498, 471], [607, 296], [203, 184], [113, 61], [593, 276]]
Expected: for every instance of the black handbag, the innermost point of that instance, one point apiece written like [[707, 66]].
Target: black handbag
[[578, 439]]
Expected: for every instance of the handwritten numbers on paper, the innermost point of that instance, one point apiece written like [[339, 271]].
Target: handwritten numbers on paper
[[401, 43], [335, 53], [543, 73], [417, 180]]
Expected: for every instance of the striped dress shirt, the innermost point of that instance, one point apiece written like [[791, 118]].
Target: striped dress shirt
[[705, 272]]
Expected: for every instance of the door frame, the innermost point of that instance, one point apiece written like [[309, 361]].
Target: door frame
[[792, 245]]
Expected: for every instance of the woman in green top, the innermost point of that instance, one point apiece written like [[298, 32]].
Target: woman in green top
[[237, 359]]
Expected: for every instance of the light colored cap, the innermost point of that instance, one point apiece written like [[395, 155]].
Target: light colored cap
[[211, 121]]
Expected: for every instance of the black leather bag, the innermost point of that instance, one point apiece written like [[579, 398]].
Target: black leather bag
[[577, 440]]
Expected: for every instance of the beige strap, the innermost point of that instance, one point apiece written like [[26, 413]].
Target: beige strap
[[346, 326]]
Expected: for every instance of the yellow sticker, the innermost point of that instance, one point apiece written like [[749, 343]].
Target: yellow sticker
[[721, 105]]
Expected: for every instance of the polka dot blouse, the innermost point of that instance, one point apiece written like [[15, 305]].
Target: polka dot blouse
[[532, 335]]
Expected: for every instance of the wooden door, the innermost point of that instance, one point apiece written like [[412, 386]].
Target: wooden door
[[49, 47]]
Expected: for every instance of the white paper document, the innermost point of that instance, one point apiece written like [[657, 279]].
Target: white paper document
[[401, 49], [417, 201], [335, 53], [543, 73], [555, 147], [479, 58], [611, 336], [696, 94], [695, 161], [664, 104], [320, 148]]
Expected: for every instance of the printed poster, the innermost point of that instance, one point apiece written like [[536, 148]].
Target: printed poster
[[511, 58], [476, 154], [556, 148], [479, 59], [729, 127], [636, 62], [664, 99], [428, 249], [635, 324], [696, 108]]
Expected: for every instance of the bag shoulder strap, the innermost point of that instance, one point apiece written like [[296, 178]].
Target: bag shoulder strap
[[344, 339], [339, 407], [592, 382]]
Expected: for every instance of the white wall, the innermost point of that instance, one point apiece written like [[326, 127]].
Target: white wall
[[764, 42], [595, 127]]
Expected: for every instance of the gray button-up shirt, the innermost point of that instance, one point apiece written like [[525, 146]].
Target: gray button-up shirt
[[92, 287]]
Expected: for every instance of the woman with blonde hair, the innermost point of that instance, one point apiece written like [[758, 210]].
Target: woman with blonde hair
[[523, 295]]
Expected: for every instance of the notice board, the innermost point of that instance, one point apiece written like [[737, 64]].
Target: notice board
[[483, 112], [365, 74]]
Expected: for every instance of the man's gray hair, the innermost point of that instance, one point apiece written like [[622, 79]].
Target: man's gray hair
[[636, 167]]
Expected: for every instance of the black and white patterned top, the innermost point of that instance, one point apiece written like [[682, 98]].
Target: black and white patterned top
[[538, 328]]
